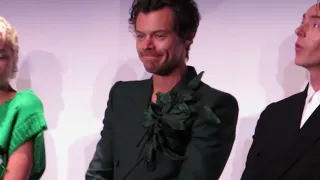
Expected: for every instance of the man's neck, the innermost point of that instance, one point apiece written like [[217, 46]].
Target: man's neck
[[166, 83], [315, 79]]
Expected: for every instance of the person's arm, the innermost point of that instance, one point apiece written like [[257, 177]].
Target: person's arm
[[101, 165], [209, 148], [20, 163]]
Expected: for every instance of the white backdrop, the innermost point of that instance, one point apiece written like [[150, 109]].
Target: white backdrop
[[73, 51]]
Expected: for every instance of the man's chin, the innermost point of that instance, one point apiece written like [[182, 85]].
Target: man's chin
[[306, 64], [151, 70], [300, 62], [159, 71]]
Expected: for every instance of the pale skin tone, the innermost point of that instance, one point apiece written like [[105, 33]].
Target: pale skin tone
[[160, 47], [20, 161], [308, 45]]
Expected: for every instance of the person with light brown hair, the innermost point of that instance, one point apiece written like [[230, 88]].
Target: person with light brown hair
[[286, 141], [22, 122]]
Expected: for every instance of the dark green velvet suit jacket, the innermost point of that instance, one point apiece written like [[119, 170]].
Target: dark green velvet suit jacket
[[117, 153]]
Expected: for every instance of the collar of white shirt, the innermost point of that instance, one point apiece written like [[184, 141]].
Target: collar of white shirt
[[311, 92], [311, 103]]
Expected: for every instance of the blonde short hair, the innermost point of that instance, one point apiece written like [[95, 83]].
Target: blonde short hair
[[11, 45]]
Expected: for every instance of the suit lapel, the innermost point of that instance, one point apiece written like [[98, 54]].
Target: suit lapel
[[293, 113], [141, 100], [140, 97], [305, 138]]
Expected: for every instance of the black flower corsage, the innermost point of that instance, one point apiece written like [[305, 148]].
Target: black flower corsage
[[169, 120]]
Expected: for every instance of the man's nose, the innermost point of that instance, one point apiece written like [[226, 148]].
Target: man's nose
[[148, 44], [300, 31]]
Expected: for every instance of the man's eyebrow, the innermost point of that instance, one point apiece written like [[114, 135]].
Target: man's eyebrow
[[315, 16], [137, 31], [156, 31]]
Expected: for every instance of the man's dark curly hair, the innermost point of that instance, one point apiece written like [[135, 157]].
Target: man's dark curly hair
[[186, 15]]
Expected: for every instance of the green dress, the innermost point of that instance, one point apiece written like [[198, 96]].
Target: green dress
[[22, 119]]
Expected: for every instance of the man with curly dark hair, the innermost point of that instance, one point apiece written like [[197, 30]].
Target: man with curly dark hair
[[171, 126]]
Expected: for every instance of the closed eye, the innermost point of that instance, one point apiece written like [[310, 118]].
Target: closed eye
[[139, 36]]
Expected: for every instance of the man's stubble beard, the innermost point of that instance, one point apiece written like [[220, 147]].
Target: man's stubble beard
[[167, 69]]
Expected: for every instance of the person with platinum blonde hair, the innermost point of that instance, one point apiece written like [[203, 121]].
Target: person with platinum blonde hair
[[22, 122]]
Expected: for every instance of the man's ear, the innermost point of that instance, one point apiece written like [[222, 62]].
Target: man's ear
[[189, 38]]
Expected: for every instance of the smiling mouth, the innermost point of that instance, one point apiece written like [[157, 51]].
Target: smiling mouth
[[150, 57]]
